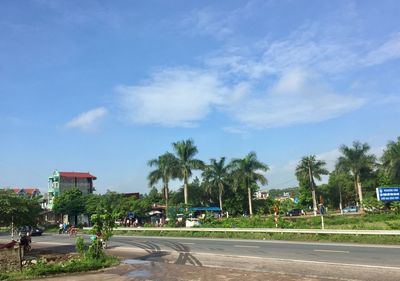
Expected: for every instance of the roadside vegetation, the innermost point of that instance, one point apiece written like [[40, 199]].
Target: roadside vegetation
[[42, 269], [91, 257]]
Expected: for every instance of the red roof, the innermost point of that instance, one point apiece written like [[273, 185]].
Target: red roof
[[76, 175], [31, 190]]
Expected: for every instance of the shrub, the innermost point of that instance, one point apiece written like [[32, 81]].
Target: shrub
[[80, 245]]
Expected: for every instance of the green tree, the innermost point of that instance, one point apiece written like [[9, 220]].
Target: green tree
[[356, 160], [341, 188], [91, 202], [310, 168], [215, 177], [185, 152], [70, 202], [18, 210], [166, 169], [246, 172], [391, 161]]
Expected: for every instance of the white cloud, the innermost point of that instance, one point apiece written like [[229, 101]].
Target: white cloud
[[173, 97], [389, 50], [89, 120], [297, 97], [269, 84]]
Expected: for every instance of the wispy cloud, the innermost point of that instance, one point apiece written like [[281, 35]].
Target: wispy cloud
[[273, 83], [173, 97], [297, 97], [89, 120], [389, 50]]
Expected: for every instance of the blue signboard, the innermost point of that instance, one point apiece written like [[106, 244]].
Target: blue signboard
[[388, 193], [296, 200]]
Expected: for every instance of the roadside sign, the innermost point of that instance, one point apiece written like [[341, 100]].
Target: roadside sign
[[296, 200], [388, 193]]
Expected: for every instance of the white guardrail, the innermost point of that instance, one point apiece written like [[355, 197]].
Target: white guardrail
[[262, 230]]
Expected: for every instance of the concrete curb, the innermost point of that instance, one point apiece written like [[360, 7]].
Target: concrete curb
[[263, 230]]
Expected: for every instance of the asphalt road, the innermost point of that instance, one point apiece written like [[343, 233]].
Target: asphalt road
[[325, 260]]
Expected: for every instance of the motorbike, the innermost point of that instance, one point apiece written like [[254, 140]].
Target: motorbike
[[25, 241]]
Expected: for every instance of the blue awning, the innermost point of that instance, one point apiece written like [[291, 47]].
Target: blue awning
[[207, 209]]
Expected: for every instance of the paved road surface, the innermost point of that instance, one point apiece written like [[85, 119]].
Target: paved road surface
[[311, 260]]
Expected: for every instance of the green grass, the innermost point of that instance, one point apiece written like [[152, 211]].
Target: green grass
[[352, 222], [42, 269], [362, 222]]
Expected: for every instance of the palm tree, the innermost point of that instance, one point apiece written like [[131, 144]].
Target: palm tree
[[166, 169], [356, 160], [391, 160], [246, 172], [215, 176], [185, 152], [310, 168]]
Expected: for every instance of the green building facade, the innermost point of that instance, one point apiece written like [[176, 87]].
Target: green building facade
[[59, 182]]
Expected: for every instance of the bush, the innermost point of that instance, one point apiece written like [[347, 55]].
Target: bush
[[395, 206], [80, 245]]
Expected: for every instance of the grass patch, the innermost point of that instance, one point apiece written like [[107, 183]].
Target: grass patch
[[361, 222], [42, 269]]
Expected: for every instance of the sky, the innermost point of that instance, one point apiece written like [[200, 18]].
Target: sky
[[105, 86]]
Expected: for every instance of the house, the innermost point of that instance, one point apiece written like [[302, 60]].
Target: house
[[285, 196], [28, 192], [59, 182], [262, 194]]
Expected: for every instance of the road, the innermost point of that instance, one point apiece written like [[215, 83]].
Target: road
[[323, 260]]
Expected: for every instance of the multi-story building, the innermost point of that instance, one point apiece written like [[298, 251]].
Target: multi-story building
[[59, 182]]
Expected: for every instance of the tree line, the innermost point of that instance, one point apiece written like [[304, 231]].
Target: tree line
[[356, 174], [229, 185]]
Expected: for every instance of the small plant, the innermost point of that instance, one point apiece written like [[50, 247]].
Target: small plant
[[395, 206], [95, 250], [80, 245]]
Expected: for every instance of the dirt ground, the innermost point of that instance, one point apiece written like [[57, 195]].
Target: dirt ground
[[50, 256], [144, 270]]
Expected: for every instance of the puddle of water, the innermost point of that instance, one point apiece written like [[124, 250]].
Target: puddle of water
[[139, 273], [131, 261]]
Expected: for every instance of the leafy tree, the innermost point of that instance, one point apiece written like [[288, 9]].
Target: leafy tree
[[166, 169], [264, 206], [341, 188], [103, 223], [71, 202], [310, 168], [356, 160], [18, 210], [91, 202], [154, 197], [185, 152], [391, 161], [285, 205], [215, 177], [199, 196], [246, 172]]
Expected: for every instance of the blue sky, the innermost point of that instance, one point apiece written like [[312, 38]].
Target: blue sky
[[104, 86]]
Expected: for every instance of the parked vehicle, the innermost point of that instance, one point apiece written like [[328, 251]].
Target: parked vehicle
[[295, 212], [32, 231], [350, 209]]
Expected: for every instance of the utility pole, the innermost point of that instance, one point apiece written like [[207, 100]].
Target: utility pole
[[12, 227]]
